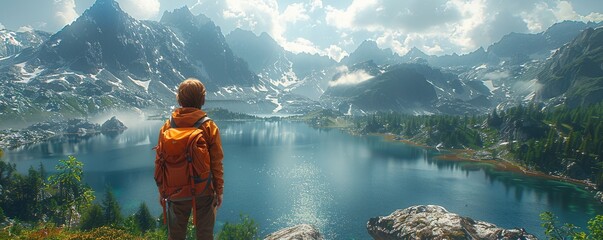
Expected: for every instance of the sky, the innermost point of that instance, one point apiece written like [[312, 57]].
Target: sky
[[336, 27]]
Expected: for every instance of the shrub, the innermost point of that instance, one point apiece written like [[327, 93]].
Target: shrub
[[246, 229]]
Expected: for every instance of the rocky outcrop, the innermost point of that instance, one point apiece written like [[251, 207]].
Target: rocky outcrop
[[81, 126], [435, 222], [113, 125], [299, 232]]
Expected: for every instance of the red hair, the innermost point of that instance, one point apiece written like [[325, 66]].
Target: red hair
[[191, 93]]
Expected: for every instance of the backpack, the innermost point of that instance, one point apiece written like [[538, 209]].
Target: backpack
[[182, 164]]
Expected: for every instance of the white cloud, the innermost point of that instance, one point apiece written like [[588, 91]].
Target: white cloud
[[345, 19], [2, 26], [433, 50], [301, 45], [141, 9], [335, 52], [295, 12], [434, 26], [25, 29], [391, 39], [379, 15], [352, 78], [65, 11], [315, 4]]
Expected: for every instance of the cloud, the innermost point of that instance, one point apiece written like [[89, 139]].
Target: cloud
[[1, 26], [25, 29], [447, 26], [315, 4], [302, 45], [141, 9], [350, 78], [64, 11], [294, 13], [379, 15], [335, 53]]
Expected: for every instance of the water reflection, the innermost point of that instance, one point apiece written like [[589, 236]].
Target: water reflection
[[283, 173]]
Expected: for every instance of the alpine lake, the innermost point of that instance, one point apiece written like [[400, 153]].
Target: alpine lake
[[283, 173]]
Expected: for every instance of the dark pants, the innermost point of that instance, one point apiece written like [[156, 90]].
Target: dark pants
[[180, 211]]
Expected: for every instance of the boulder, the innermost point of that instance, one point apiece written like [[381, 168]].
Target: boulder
[[299, 232], [435, 222]]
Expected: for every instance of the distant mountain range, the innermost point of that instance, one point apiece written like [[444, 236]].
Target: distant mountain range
[[301, 73], [108, 60], [519, 68], [12, 42]]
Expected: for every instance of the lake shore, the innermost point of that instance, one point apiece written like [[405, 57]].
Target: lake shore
[[500, 164]]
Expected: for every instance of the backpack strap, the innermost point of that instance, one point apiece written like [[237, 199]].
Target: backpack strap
[[197, 124], [202, 121]]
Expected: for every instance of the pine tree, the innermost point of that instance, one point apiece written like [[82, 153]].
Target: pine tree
[[144, 219], [93, 218], [111, 210]]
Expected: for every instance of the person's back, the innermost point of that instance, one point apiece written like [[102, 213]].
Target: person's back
[[189, 163]]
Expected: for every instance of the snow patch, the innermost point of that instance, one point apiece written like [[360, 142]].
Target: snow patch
[[143, 84], [490, 85], [483, 66], [349, 112], [274, 100], [25, 75], [439, 88]]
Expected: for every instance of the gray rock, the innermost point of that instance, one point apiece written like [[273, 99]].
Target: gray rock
[[299, 232], [113, 125], [435, 222]]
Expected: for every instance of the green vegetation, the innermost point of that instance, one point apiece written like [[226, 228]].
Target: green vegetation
[[50, 208], [247, 229], [566, 137], [553, 230], [443, 130], [69, 194], [223, 114], [565, 141]]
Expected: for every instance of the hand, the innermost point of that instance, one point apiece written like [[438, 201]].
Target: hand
[[218, 199]]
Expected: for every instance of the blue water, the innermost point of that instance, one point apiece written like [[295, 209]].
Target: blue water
[[286, 173]]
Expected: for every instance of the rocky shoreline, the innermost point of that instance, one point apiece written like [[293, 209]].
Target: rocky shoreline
[[416, 222], [39, 132]]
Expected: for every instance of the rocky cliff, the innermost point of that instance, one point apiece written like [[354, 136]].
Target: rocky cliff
[[435, 222]]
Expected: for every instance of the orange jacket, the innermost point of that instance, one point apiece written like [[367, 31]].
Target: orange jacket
[[186, 117]]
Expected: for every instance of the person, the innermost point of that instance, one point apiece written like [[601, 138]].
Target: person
[[191, 98]]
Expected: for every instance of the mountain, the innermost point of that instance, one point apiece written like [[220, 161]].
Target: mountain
[[106, 59], [303, 74], [400, 89], [575, 71], [414, 55], [475, 58], [259, 51], [368, 50], [12, 42], [207, 48], [539, 45], [413, 88]]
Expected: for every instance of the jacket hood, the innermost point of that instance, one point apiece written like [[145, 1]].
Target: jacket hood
[[187, 117]]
